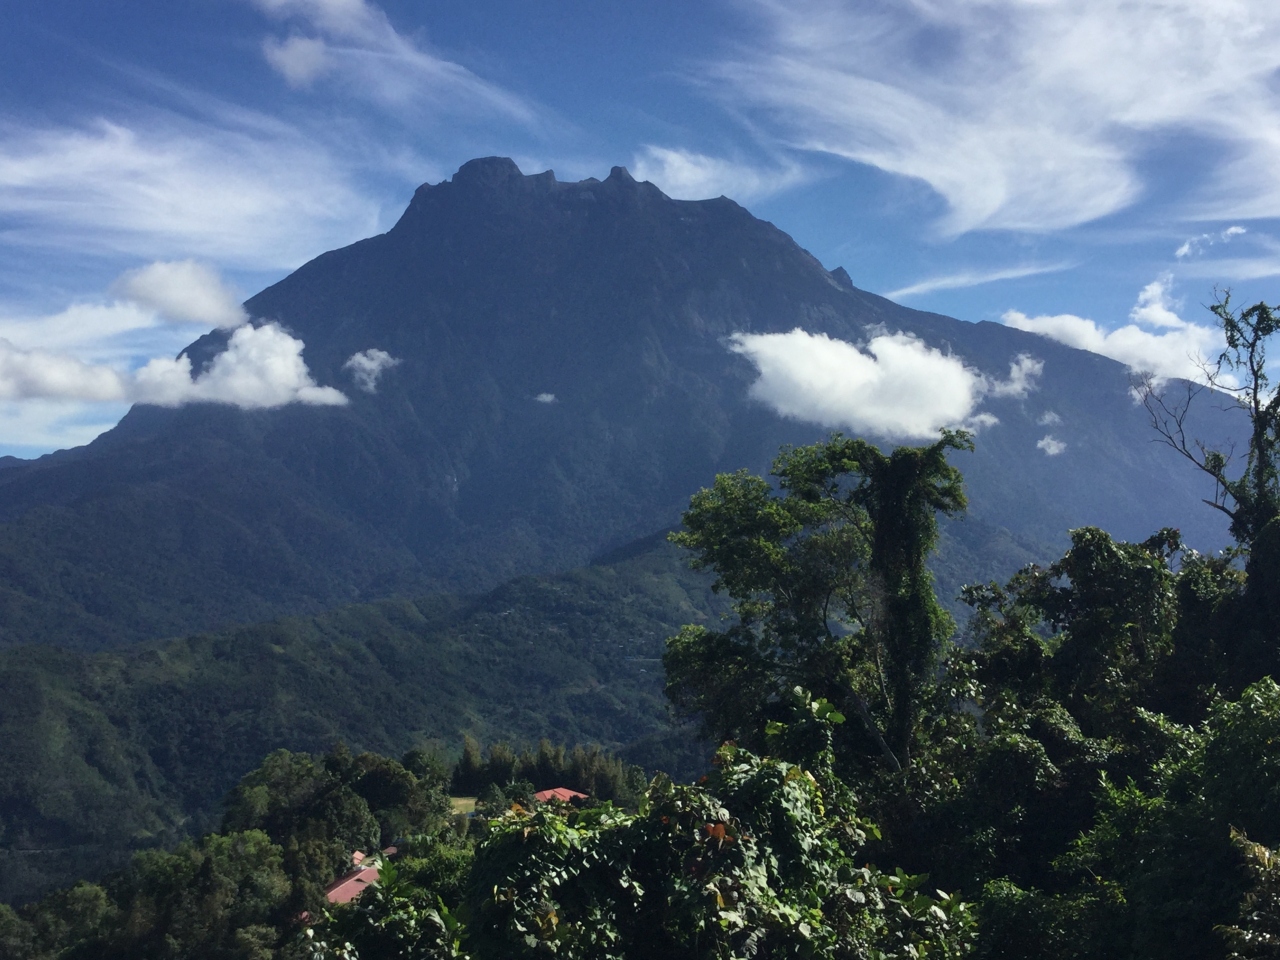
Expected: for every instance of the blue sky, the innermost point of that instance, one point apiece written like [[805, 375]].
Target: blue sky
[[1089, 169]]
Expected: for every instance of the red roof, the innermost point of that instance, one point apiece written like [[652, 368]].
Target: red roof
[[563, 794], [345, 889]]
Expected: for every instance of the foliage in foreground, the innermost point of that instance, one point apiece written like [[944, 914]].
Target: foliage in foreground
[[765, 858]]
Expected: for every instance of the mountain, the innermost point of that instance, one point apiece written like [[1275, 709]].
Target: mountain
[[564, 384]]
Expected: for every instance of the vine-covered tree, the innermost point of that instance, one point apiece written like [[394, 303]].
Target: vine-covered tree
[[828, 578]]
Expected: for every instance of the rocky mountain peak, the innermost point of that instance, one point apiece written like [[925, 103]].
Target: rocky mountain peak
[[487, 171]]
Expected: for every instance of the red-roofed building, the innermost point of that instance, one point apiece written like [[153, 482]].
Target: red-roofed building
[[347, 888], [562, 794]]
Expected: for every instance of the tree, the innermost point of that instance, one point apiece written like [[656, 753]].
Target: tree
[[1173, 851], [829, 584], [764, 858], [1252, 499], [1059, 665], [321, 810], [1242, 634]]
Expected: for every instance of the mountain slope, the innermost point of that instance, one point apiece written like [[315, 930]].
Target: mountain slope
[[104, 753], [564, 386]]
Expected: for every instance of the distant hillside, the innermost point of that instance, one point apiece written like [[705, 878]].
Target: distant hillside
[[564, 386], [103, 753]]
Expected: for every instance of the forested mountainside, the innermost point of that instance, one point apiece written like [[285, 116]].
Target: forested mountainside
[[1092, 774], [105, 753], [563, 385]]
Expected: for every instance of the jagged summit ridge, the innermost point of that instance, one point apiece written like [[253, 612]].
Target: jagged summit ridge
[[491, 171], [496, 185]]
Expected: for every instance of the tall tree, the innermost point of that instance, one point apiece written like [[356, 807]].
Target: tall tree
[[1252, 498], [829, 582]]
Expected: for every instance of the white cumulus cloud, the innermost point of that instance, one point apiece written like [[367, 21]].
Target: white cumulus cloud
[[1050, 446], [893, 386], [66, 377], [261, 367], [368, 366], [1174, 348], [1154, 307], [183, 290], [1024, 371]]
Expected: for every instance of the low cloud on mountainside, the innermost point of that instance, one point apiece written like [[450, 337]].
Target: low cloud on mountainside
[[893, 386], [261, 366], [1050, 445], [1158, 341], [368, 366]]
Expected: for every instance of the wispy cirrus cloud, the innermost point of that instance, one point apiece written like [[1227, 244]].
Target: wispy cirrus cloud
[[355, 44], [1024, 116], [974, 278], [1255, 254], [687, 175], [1194, 246], [94, 331], [258, 194], [202, 177]]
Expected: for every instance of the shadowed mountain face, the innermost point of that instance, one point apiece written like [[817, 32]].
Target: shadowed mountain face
[[564, 385]]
